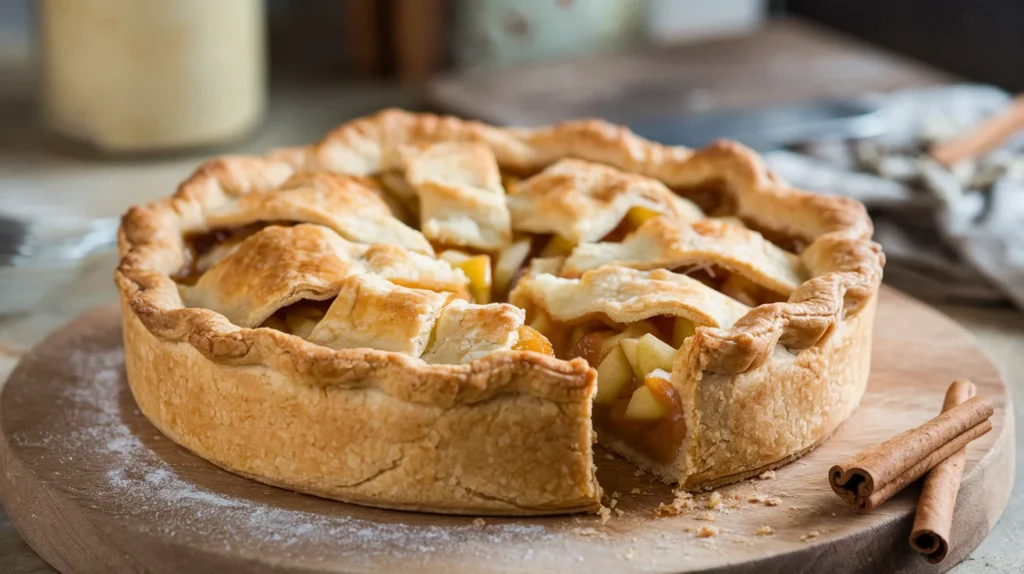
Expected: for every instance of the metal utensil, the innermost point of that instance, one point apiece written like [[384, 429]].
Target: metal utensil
[[28, 242], [769, 128], [37, 256]]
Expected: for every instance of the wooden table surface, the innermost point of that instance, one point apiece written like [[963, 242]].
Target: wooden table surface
[[40, 180], [783, 62]]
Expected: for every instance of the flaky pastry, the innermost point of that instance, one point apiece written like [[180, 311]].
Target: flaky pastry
[[421, 312]]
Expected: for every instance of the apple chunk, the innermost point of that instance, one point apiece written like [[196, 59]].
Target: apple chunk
[[629, 348], [638, 215], [652, 353], [478, 269], [633, 331], [558, 246], [531, 339], [509, 262], [742, 289], [591, 346], [644, 405], [681, 329], [614, 375]]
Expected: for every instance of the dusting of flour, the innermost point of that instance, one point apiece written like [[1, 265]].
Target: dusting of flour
[[145, 485]]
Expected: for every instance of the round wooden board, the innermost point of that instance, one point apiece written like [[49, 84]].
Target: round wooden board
[[93, 487]]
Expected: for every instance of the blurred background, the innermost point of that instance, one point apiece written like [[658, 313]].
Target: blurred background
[[109, 103]]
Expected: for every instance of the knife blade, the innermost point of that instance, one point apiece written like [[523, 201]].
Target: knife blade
[[769, 128]]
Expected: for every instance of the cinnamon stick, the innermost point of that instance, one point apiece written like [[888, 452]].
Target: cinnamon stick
[[983, 138], [930, 535], [874, 475]]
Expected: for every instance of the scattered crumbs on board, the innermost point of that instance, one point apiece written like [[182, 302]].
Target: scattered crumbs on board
[[630, 553], [810, 535], [764, 530], [767, 475], [765, 500], [639, 472], [683, 502], [705, 515], [605, 513], [714, 500], [707, 532], [479, 523]]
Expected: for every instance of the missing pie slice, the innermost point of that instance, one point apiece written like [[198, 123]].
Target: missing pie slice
[[421, 312]]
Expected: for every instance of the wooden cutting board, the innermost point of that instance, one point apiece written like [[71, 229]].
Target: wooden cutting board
[[93, 487]]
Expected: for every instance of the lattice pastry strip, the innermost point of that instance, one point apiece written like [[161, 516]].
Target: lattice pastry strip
[[279, 266], [462, 201], [659, 244], [627, 295], [465, 331], [371, 312], [342, 203], [375, 313], [583, 201]]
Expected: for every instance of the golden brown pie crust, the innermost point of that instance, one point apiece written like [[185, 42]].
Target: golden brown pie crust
[[509, 432]]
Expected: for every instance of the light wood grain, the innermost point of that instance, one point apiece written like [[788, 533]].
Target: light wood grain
[[93, 486]]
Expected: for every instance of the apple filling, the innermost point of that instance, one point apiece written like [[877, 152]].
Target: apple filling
[[299, 318], [491, 277], [713, 197], [635, 401], [788, 241], [202, 250], [732, 284]]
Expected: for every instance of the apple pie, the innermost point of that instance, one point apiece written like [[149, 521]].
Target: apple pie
[[421, 312]]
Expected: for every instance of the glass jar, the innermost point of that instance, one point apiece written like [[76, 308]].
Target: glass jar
[[143, 76]]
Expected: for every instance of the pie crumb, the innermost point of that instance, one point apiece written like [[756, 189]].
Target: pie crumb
[[588, 532], [618, 512], [682, 502], [773, 501], [635, 491], [639, 472], [608, 455], [764, 530], [810, 535], [479, 523], [757, 498], [705, 516], [605, 513], [707, 532], [630, 553], [767, 475], [616, 495], [713, 501], [613, 503]]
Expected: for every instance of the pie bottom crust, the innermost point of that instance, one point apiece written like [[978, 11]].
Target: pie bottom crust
[[513, 454], [509, 455]]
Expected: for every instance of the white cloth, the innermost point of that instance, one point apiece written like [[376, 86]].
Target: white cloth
[[948, 235]]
